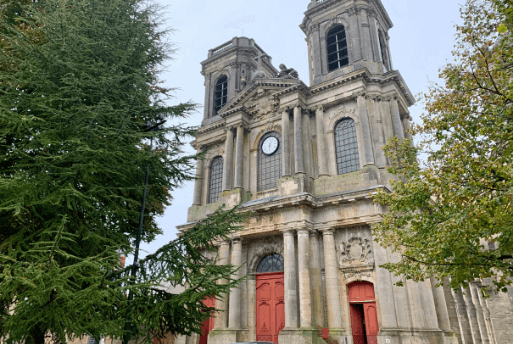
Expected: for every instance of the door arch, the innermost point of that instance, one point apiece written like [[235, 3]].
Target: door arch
[[270, 298], [364, 316]]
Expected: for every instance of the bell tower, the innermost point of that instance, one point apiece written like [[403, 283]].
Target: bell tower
[[228, 69], [344, 36]]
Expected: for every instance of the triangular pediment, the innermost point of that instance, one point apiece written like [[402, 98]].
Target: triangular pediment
[[261, 95]]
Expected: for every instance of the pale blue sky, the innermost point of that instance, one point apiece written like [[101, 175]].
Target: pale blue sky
[[421, 42]]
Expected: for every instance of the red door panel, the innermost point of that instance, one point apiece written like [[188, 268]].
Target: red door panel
[[361, 291], [270, 307], [371, 322], [208, 325], [357, 325]]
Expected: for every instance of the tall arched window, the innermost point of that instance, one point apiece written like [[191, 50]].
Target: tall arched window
[[383, 51], [216, 179], [337, 48], [221, 93], [346, 146], [271, 263], [269, 161]]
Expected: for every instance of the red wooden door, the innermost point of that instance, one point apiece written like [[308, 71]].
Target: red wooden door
[[270, 306], [357, 326], [208, 325], [371, 322], [364, 326]]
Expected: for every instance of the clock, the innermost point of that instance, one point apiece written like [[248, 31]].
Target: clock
[[270, 145]]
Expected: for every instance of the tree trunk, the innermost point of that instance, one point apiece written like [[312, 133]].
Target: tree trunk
[[37, 336]]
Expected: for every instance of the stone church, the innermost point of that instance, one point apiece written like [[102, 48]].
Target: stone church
[[305, 159]]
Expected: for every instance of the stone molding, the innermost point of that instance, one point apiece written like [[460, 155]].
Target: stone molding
[[337, 115], [264, 247]]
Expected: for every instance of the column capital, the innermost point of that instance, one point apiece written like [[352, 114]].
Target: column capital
[[285, 108], [224, 243], [327, 231], [304, 229], [288, 232], [360, 94], [320, 107], [237, 240], [313, 233], [229, 128]]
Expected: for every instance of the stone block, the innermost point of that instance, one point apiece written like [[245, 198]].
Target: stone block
[[293, 185]]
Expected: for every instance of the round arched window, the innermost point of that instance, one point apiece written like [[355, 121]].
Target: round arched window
[[271, 263]]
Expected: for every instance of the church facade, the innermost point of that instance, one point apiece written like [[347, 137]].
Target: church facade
[[305, 161]]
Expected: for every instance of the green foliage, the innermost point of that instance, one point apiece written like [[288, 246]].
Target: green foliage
[[79, 83], [450, 214]]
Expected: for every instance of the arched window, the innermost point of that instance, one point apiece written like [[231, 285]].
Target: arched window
[[346, 146], [221, 93], [337, 48], [271, 263], [216, 179], [383, 51], [269, 161]]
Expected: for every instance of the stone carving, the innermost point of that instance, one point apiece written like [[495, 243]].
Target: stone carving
[[287, 73], [356, 251], [214, 151], [264, 247], [341, 113], [357, 275], [270, 126]]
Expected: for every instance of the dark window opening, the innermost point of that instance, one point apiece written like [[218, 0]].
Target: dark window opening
[[382, 48], [221, 93], [271, 263], [346, 147], [337, 48], [216, 179]]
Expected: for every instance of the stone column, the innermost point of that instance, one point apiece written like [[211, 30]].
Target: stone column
[[228, 160], [472, 316], [321, 142], [224, 256], [396, 118], [298, 140], [252, 307], [285, 146], [384, 289], [198, 184], [315, 280], [290, 279], [442, 313], [234, 314], [332, 286], [474, 290], [206, 113], [368, 153], [238, 157], [305, 295], [463, 318], [407, 126], [366, 35]]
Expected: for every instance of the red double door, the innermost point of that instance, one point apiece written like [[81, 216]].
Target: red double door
[[208, 325], [270, 306], [364, 317]]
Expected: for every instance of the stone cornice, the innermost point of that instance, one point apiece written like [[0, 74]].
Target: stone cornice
[[320, 7], [392, 76], [213, 126], [272, 204]]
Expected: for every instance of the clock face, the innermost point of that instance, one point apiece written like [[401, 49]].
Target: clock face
[[270, 145]]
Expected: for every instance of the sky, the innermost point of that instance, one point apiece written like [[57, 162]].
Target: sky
[[421, 42]]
